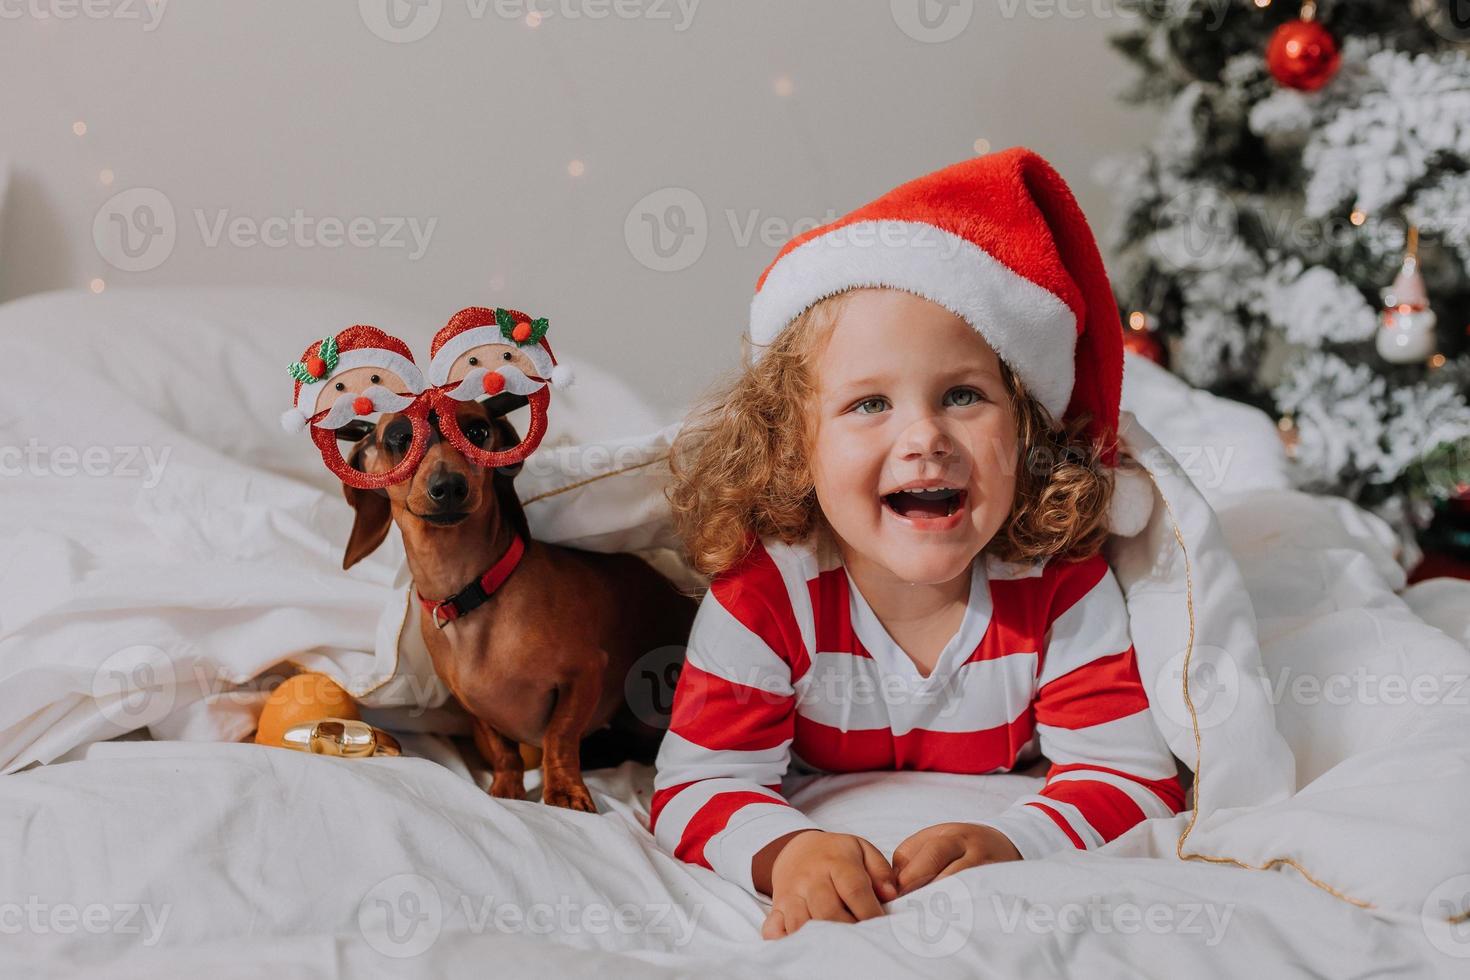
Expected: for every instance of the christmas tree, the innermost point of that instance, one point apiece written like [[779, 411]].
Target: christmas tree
[[1298, 231]]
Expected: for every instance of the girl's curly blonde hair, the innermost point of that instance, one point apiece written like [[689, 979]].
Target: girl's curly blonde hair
[[740, 465]]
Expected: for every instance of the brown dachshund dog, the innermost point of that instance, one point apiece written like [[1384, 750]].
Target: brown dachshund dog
[[544, 659]]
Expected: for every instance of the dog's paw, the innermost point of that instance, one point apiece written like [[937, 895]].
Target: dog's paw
[[508, 787], [571, 796]]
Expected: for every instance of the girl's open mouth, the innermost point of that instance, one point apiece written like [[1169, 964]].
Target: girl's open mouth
[[921, 505]]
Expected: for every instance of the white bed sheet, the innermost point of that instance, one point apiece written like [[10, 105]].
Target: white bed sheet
[[245, 859]]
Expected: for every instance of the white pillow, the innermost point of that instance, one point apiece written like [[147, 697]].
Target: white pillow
[[1223, 446], [1188, 605], [1375, 704]]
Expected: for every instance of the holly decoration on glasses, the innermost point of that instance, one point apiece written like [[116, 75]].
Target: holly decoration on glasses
[[318, 365], [523, 333]]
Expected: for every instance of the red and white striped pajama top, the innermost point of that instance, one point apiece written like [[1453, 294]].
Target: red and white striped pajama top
[[786, 659]]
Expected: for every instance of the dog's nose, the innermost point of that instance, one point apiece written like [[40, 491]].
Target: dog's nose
[[449, 489]]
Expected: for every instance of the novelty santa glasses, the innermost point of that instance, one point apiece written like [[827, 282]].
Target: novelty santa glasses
[[360, 372]]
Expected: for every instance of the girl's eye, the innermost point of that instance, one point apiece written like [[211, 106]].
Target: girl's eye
[[374, 379], [962, 397], [871, 406], [474, 361]]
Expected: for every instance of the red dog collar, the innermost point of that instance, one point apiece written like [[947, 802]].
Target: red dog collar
[[478, 592]]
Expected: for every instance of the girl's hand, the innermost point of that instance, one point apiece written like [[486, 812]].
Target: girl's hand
[[941, 850], [822, 875]]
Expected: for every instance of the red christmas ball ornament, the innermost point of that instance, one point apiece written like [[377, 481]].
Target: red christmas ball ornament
[[1303, 55], [315, 366]]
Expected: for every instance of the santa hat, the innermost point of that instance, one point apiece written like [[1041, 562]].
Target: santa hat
[[357, 346], [999, 241], [477, 325]]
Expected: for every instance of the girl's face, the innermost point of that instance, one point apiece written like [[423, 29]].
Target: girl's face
[[914, 438]]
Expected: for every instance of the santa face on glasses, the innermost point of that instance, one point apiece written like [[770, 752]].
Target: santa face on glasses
[[360, 371], [486, 352]]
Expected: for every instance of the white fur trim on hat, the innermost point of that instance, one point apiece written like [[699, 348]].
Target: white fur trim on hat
[[477, 337], [562, 377], [376, 357], [1133, 500], [1031, 329]]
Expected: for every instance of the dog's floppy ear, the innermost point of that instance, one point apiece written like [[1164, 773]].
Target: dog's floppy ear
[[373, 512]]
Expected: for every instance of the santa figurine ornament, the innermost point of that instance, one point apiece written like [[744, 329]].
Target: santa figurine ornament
[[358, 372], [482, 352]]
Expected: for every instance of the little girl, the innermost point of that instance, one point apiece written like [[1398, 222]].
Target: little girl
[[901, 501]]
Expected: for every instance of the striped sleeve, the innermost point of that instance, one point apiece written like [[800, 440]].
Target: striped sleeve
[[1111, 767], [717, 799]]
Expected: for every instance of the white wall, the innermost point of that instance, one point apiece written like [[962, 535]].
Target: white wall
[[263, 109]]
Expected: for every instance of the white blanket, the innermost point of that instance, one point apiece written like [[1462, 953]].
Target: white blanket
[[219, 859], [161, 858]]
